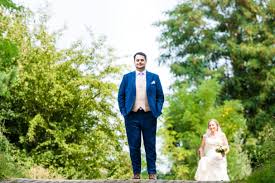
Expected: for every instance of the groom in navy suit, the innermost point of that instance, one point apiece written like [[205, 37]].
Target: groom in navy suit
[[140, 100]]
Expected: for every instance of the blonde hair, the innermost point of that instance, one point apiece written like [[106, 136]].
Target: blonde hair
[[219, 130]]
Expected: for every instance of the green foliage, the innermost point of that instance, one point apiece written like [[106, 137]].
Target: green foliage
[[264, 155], [238, 162], [61, 108], [8, 4], [8, 166], [8, 54], [262, 149], [4, 143], [232, 40], [186, 121], [263, 174], [266, 145]]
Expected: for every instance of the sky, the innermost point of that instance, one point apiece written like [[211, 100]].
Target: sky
[[127, 25]]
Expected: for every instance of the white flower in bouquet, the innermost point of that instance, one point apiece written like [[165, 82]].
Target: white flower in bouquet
[[221, 149]]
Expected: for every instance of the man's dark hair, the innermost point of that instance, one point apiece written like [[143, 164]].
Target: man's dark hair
[[140, 53]]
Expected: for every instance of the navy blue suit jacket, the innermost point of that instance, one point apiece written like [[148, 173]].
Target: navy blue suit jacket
[[127, 93]]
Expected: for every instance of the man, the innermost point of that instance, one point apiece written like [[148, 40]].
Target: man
[[140, 100]]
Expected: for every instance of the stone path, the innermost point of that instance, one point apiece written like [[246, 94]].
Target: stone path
[[95, 181]]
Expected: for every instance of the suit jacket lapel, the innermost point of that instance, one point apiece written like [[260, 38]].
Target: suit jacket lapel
[[133, 80], [148, 79]]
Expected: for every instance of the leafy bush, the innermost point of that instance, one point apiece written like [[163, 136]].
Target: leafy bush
[[263, 153], [8, 166], [264, 174], [39, 172]]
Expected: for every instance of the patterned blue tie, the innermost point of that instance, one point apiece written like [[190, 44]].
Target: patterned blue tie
[[141, 74]]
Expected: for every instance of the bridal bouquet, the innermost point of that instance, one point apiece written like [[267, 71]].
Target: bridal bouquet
[[221, 149]]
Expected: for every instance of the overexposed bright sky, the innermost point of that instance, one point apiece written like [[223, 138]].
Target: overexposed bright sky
[[127, 24]]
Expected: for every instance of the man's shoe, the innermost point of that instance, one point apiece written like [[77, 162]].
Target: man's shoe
[[153, 176], [136, 176]]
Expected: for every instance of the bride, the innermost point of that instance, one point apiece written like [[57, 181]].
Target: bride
[[212, 165]]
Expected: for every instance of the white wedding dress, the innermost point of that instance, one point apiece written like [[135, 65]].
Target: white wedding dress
[[212, 166]]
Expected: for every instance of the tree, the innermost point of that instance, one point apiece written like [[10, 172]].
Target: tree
[[231, 39], [8, 71], [8, 51], [61, 110], [8, 55]]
